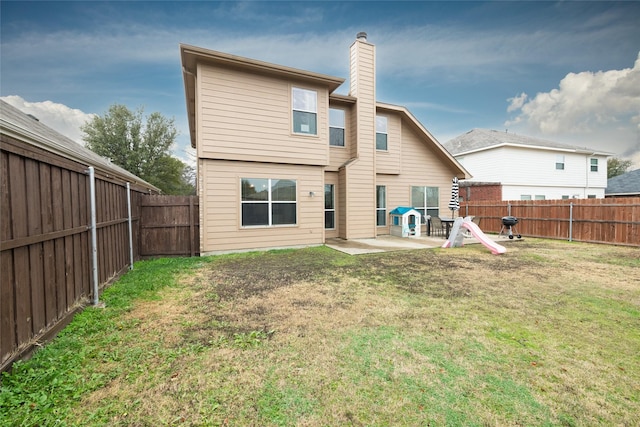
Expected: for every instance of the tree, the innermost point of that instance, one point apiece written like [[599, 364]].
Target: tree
[[141, 148], [617, 166]]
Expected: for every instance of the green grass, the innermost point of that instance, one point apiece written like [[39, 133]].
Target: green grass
[[545, 335], [42, 391]]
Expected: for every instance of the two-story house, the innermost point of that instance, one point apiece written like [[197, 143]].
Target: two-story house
[[530, 168], [283, 161]]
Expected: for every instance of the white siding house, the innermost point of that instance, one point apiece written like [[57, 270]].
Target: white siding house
[[530, 168]]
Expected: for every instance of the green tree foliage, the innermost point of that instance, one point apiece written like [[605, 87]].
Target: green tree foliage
[[617, 166], [140, 146]]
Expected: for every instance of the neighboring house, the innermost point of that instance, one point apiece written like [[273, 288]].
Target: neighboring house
[[283, 161], [625, 185], [530, 168]]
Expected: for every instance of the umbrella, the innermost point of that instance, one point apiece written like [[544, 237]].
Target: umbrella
[[454, 203]]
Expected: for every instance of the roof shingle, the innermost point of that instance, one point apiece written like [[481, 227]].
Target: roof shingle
[[482, 139]]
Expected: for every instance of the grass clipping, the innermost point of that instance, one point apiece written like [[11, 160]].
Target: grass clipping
[[547, 334]]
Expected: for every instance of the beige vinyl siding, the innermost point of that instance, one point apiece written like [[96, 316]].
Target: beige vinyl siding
[[220, 207], [360, 200], [420, 167], [389, 161], [359, 175], [246, 116], [341, 195]]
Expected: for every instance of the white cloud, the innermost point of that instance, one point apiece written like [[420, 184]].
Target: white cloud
[[517, 102], [59, 117], [600, 109], [68, 122]]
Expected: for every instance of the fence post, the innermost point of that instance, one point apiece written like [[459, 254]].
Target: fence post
[[130, 226], [570, 221], [94, 238]]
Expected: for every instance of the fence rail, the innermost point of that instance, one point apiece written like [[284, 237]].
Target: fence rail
[[45, 241], [611, 220]]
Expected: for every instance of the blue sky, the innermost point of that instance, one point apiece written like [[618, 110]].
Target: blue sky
[[563, 71]]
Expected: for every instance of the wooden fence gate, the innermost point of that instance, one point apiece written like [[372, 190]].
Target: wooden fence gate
[[169, 226]]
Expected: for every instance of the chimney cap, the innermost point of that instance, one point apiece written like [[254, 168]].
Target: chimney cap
[[362, 36]]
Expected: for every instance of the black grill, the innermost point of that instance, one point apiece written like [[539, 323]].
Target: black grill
[[509, 221], [508, 226]]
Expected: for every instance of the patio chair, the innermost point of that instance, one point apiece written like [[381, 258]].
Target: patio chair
[[437, 227]]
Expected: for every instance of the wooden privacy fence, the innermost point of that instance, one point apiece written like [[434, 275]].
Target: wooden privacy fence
[[169, 226], [612, 220], [46, 260]]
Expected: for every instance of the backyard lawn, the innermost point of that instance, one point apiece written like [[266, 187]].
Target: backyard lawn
[[547, 334]]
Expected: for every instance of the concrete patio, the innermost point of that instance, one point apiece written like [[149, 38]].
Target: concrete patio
[[389, 243]]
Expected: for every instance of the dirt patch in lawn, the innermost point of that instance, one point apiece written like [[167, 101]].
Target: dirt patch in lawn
[[317, 337]]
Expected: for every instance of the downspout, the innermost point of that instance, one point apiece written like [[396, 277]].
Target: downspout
[[130, 227], [94, 238]]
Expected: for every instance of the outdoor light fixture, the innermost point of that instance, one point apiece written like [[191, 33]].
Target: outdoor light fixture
[[311, 193]]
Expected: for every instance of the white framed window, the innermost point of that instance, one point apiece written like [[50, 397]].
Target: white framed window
[[268, 202], [381, 133], [525, 197], [381, 205], [539, 197], [426, 200], [329, 207], [594, 165], [560, 162], [336, 127], [305, 111]]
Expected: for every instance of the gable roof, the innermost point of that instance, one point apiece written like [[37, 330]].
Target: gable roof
[[440, 151], [401, 210], [626, 184], [484, 139], [25, 127]]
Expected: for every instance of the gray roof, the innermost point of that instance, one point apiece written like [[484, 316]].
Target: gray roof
[[29, 129], [484, 139], [625, 184]]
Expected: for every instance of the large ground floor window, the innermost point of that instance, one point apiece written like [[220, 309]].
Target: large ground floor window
[[426, 200], [268, 202]]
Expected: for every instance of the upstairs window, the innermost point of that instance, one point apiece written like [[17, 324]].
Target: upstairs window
[[267, 202], [560, 162], [336, 127], [305, 111], [594, 165], [381, 133]]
